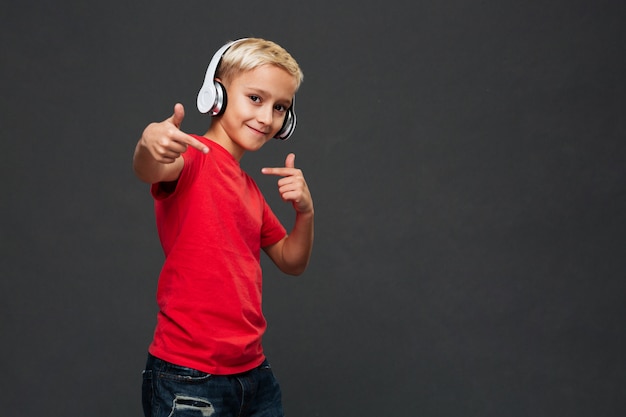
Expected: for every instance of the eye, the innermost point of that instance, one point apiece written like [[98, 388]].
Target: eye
[[280, 108], [255, 99]]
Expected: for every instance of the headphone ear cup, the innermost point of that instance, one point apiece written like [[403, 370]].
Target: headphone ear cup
[[206, 98], [289, 125], [219, 106]]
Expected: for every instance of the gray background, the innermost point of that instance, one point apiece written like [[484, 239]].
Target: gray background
[[467, 164]]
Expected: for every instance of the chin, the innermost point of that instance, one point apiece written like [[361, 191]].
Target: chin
[[257, 143], [258, 146], [251, 146]]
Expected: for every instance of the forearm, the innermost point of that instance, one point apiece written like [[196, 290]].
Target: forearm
[[145, 166], [148, 169], [297, 248]]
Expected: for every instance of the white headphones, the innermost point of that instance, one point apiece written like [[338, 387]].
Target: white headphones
[[212, 96]]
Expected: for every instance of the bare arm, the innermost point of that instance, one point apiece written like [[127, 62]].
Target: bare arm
[[293, 252], [158, 152]]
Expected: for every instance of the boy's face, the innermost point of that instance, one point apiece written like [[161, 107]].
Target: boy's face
[[257, 104]]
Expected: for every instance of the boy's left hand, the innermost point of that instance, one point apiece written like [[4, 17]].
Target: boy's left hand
[[292, 187]]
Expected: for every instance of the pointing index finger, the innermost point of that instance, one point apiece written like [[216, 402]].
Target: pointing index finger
[[193, 142], [285, 171]]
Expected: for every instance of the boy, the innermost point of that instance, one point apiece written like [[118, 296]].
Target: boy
[[206, 357]]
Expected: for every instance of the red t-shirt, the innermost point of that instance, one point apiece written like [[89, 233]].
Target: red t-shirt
[[212, 224]]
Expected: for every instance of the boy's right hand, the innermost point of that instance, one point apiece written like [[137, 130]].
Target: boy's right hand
[[165, 141]]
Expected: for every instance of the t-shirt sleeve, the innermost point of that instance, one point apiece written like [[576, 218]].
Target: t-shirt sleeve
[[163, 190], [272, 230]]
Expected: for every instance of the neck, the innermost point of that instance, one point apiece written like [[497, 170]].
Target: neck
[[217, 135]]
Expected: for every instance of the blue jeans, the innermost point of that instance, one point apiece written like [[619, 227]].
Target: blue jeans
[[175, 391]]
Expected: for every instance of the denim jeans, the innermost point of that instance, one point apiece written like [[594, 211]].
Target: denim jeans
[[175, 391]]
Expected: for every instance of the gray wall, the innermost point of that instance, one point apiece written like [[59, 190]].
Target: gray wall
[[467, 164]]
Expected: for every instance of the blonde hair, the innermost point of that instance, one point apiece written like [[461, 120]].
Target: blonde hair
[[250, 53]]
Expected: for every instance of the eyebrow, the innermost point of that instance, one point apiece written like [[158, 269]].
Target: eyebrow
[[263, 92]]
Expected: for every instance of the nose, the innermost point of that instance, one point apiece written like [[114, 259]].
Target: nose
[[265, 115]]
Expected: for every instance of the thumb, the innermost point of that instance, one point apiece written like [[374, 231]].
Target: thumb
[[178, 116], [290, 160]]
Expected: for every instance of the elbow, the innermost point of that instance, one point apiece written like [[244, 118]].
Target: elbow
[[291, 255], [294, 273], [294, 270], [142, 176]]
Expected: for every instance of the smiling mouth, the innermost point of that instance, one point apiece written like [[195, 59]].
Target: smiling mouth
[[261, 132]]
